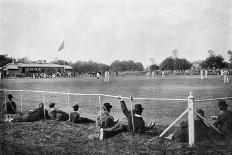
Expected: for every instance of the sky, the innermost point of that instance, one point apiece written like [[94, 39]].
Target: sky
[[144, 31]]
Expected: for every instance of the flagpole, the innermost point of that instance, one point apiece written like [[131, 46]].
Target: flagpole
[[64, 60]]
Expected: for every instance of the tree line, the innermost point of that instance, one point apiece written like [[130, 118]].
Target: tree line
[[213, 61]]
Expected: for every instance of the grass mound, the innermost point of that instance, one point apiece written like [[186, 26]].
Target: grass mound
[[52, 137]]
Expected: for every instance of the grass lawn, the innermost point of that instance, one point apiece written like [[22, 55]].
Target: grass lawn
[[38, 137]]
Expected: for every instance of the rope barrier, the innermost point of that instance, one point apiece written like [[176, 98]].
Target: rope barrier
[[222, 98], [160, 99], [113, 96]]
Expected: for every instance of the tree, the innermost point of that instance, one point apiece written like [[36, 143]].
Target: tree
[[153, 67], [129, 65], [139, 66], [213, 62], [175, 64], [117, 66], [167, 64], [4, 59], [103, 68], [89, 67], [182, 64]]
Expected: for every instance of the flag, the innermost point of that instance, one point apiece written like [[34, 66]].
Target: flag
[[61, 46]]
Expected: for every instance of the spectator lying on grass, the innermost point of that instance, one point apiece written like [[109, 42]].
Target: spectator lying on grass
[[9, 107], [201, 129], [75, 117], [224, 121], [33, 115], [56, 114], [105, 120], [137, 126]]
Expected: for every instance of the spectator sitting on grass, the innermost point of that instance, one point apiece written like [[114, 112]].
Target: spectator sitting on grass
[[105, 120], [224, 121], [56, 114], [201, 129], [33, 115], [10, 106], [137, 126], [75, 117]]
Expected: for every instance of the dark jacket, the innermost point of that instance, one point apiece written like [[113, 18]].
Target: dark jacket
[[139, 124], [201, 131], [38, 114], [58, 115], [224, 121], [75, 118], [10, 107], [35, 115], [105, 120]]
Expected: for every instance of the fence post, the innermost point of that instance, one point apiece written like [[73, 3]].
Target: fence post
[[44, 104], [21, 101], [132, 117], [99, 100], [191, 120], [5, 99], [70, 110]]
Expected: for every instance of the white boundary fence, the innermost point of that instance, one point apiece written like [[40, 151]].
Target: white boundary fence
[[190, 110]]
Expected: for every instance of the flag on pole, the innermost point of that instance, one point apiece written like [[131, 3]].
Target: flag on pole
[[61, 46]]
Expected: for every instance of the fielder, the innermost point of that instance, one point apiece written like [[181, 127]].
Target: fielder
[[163, 74], [107, 77], [226, 78], [148, 75], [202, 74], [98, 75], [206, 73]]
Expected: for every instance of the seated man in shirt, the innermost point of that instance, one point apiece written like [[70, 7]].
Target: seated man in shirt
[[33, 115], [105, 120], [224, 121], [75, 117], [10, 106], [56, 114], [133, 122], [201, 129]]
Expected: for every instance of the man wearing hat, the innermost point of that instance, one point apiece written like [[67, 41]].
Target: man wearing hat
[[224, 120], [33, 115], [75, 116], [105, 120], [57, 114], [201, 129], [136, 123], [126, 123], [10, 106]]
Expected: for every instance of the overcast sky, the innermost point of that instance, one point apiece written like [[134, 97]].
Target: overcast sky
[[106, 30]]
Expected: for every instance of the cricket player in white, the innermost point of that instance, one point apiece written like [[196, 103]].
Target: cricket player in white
[[107, 77], [206, 73], [202, 74], [163, 75]]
